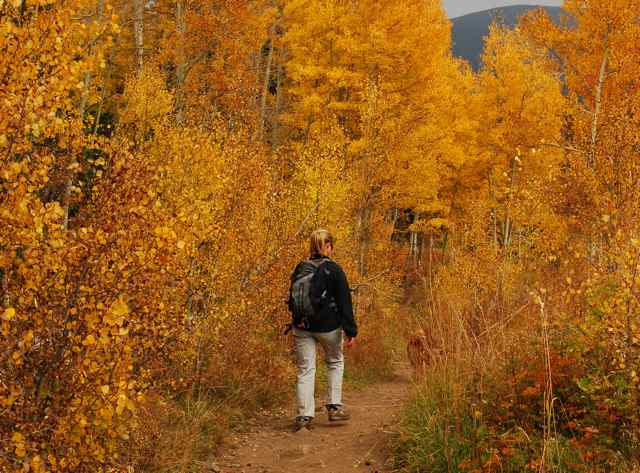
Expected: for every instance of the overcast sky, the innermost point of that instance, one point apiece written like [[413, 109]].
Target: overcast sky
[[462, 7]]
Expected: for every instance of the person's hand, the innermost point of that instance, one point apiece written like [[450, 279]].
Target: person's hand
[[350, 342]]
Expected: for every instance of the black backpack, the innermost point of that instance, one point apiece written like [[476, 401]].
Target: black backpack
[[306, 297]]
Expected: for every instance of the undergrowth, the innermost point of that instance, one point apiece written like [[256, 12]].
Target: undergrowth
[[235, 380], [523, 380]]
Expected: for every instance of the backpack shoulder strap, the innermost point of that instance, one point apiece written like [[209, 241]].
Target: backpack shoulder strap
[[318, 262]]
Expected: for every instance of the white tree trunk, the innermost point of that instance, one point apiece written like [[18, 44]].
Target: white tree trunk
[[275, 136], [265, 85], [508, 225], [82, 109], [6, 297], [181, 66], [138, 32], [591, 158], [87, 76]]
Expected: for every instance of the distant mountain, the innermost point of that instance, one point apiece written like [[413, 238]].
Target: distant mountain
[[468, 31]]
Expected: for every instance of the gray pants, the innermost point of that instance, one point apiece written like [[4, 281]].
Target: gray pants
[[306, 343]]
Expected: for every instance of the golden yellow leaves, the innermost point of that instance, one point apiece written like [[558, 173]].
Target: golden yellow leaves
[[148, 102], [117, 312], [27, 339], [66, 287], [8, 314], [123, 402], [19, 444], [114, 318], [13, 170], [56, 243], [165, 232]]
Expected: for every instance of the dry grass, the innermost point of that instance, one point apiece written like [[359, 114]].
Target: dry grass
[[501, 394], [179, 437]]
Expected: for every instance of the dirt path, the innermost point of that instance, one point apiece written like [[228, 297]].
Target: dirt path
[[361, 445]]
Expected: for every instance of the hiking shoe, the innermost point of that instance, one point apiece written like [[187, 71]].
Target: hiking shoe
[[337, 413], [302, 422]]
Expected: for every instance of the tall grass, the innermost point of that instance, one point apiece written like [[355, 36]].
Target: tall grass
[[380, 340], [485, 326], [502, 393]]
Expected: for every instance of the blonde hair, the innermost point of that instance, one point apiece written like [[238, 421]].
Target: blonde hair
[[318, 239]]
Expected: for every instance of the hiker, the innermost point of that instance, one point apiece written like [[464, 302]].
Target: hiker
[[320, 304]]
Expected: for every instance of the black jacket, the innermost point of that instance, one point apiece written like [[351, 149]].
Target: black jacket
[[331, 318]]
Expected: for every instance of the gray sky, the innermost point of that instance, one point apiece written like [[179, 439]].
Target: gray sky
[[462, 7]]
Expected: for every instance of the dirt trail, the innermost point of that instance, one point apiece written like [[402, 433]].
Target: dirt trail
[[361, 445]]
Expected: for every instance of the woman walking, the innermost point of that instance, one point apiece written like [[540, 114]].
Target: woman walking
[[320, 302]]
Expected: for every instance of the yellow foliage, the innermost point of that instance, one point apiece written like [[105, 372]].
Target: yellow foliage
[[136, 251], [147, 102]]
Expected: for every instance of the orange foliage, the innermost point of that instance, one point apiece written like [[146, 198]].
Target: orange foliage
[[161, 166]]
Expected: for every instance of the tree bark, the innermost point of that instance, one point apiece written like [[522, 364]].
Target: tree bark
[[507, 225], [364, 223], [275, 137], [591, 157], [6, 296], [82, 109], [138, 32], [265, 85], [103, 95], [87, 76], [67, 200], [181, 67]]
